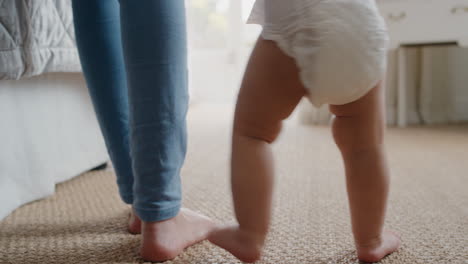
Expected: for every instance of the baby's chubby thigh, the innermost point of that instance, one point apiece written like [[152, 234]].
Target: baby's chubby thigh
[[270, 92]]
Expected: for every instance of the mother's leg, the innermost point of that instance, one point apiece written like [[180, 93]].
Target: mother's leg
[[154, 41], [97, 30], [359, 129]]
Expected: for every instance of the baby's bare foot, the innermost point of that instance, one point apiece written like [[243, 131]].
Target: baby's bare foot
[[388, 243], [166, 239], [134, 223], [244, 245]]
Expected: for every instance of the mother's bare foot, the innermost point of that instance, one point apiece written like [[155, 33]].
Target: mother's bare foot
[[388, 243], [166, 239], [244, 245], [134, 223]]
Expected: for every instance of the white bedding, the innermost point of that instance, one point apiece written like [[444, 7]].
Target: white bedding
[[36, 36], [48, 134]]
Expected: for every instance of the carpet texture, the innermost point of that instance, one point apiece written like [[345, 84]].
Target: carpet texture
[[84, 222]]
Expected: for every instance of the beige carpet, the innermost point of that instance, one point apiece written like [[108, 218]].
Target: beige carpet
[[85, 221]]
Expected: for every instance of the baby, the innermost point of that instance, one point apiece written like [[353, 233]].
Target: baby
[[332, 52]]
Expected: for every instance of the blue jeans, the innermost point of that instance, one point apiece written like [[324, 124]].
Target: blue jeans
[[134, 58]]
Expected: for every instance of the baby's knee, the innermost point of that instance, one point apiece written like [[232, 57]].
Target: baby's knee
[[260, 130], [340, 134], [353, 134]]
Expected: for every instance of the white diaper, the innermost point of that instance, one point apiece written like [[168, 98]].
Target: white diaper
[[340, 46]]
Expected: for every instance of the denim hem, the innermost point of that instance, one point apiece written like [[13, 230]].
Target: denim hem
[[150, 215]]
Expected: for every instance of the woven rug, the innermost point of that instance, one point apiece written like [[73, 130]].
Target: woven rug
[[84, 222]]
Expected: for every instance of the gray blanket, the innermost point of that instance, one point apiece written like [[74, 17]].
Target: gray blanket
[[36, 36]]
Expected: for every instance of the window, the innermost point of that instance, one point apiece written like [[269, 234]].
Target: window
[[220, 42]]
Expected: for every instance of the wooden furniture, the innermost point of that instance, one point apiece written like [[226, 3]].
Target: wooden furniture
[[421, 23]]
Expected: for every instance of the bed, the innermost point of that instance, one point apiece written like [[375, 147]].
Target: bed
[[48, 131]]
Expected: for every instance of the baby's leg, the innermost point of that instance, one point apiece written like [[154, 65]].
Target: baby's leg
[[270, 91], [358, 130]]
